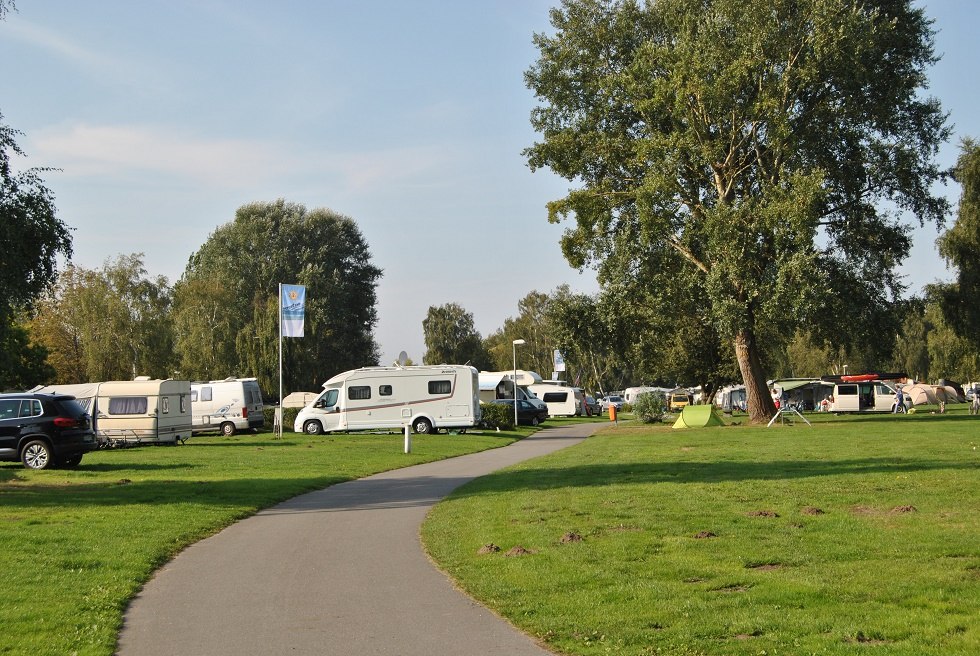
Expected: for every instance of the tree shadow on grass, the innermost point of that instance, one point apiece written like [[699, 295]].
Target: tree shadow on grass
[[598, 475]]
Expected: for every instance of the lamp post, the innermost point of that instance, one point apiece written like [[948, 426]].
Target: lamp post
[[516, 343]]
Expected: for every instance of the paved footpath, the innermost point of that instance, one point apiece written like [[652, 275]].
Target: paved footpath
[[337, 571]]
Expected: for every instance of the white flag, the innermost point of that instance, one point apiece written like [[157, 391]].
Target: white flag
[[293, 310]]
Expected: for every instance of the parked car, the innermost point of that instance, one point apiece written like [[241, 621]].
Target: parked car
[[677, 400], [527, 413], [592, 406], [612, 400], [44, 430]]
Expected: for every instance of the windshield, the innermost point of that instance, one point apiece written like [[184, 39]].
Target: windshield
[[328, 399]]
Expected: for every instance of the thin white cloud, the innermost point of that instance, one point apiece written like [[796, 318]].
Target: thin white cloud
[[125, 151], [57, 44]]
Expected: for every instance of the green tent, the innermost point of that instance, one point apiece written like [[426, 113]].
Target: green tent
[[696, 416]]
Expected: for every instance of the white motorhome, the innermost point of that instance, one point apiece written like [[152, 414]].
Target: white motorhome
[[870, 396], [562, 401], [425, 397], [500, 385], [133, 412], [228, 405]]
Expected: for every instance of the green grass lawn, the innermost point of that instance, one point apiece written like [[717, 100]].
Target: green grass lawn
[[860, 535], [75, 545]]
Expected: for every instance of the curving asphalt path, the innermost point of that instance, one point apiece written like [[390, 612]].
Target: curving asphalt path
[[337, 571]]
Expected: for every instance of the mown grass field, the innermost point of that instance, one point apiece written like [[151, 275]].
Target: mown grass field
[[860, 535], [75, 545]]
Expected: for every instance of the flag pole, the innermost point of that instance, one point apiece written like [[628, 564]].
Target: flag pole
[[279, 415]]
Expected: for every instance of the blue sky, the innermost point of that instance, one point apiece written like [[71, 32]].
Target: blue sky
[[409, 117]]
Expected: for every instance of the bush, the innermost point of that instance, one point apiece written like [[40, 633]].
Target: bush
[[288, 417], [496, 415], [650, 408], [627, 407]]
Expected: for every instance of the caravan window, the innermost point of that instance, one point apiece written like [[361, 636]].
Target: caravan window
[[128, 405], [205, 393], [183, 402], [384, 390], [440, 387], [555, 397], [165, 404], [358, 392], [193, 396]]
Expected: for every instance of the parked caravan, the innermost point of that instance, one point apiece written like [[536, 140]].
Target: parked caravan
[[425, 397], [134, 412], [869, 396], [630, 393], [562, 401], [228, 405]]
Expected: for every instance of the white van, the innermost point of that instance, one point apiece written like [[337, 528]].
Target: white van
[[228, 405], [870, 396], [134, 412], [425, 397], [562, 401]]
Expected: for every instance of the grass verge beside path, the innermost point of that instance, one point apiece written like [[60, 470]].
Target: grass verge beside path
[[75, 545], [859, 535]]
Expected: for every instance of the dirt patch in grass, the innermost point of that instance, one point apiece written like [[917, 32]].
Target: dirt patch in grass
[[862, 639], [812, 511], [488, 549], [518, 551], [703, 535], [898, 510], [765, 567], [863, 510], [571, 536], [762, 513]]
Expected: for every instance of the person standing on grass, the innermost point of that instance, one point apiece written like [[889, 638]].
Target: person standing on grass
[[975, 404], [899, 401]]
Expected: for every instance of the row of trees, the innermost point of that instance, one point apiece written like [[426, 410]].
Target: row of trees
[[606, 348], [221, 318]]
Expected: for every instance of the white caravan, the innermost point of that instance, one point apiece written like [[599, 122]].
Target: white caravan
[[133, 412], [426, 398], [562, 401], [228, 405]]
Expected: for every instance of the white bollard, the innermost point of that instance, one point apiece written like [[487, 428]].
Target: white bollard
[[408, 438]]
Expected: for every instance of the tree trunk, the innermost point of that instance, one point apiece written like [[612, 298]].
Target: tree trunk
[[757, 397]]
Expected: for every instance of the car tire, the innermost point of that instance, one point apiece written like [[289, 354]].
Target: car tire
[[422, 426], [37, 455], [313, 427], [227, 429], [535, 421]]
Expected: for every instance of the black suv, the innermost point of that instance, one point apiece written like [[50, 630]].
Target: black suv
[[44, 430]]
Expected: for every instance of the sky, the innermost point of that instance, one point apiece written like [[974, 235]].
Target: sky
[[163, 118]]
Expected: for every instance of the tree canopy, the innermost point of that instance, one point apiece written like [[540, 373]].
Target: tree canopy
[[452, 338], [226, 303], [32, 238], [766, 149]]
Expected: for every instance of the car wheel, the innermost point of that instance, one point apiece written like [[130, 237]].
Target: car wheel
[[312, 427], [534, 421], [422, 426], [228, 429], [71, 461], [37, 455]]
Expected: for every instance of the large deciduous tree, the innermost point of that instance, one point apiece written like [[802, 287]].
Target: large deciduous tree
[[960, 245], [771, 146], [451, 337], [226, 302], [108, 324], [31, 240]]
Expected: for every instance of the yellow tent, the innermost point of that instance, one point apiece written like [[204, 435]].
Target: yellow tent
[[696, 416]]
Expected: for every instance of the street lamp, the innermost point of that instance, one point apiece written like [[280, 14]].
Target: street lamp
[[516, 343]]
